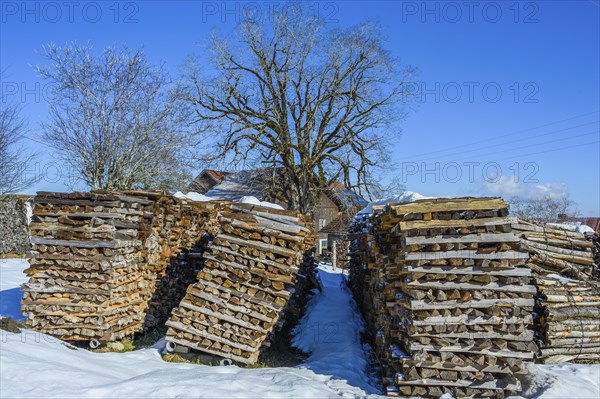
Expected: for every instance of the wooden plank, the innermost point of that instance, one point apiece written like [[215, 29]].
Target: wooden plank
[[268, 262], [86, 243], [470, 321], [465, 239], [502, 353], [285, 293], [453, 223], [266, 213], [478, 304], [492, 385], [285, 227], [200, 348], [225, 304], [449, 205], [204, 334], [450, 285], [234, 292], [526, 336], [222, 316], [521, 225], [83, 215], [465, 254], [471, 270], [469, 368], [258, 245]]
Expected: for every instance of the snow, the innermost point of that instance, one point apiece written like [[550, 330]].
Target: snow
[[255, 201], [196, 197], [562, 381], [331, 330], [406, 196], [577, 226], [28, 212], [246, 199], [34, 365], [11, 278]]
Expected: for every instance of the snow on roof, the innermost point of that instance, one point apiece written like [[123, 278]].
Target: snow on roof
[[245, 199], [406, 196], [255, 201], [237, 185], [193, 196]]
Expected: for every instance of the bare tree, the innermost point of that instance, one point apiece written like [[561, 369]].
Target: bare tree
[[13, 156], [318, 103], [546, 209], [113, 118]]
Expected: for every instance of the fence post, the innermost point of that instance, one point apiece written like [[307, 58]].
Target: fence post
[[334, 254]]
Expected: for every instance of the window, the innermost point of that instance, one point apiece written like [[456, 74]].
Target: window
[[321, 223], [322, 245]]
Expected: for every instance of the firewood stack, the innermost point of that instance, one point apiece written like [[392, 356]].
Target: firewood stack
[[452, 299], [106, 265], [555, 250], [568, 320], [181, 231], [595, 239], [250, 272], [87, 278], [362, 266], [567, 317]]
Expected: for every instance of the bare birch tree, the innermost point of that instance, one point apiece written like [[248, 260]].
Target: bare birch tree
[[14, 158], [318, 104], [113, 118], [546, 209]]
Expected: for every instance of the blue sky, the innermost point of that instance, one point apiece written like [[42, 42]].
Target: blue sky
[[511, 89]]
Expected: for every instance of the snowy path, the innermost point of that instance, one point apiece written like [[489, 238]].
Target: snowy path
[[331, 330]]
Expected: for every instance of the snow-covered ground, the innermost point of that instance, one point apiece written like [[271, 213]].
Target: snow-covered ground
[[35, 365]]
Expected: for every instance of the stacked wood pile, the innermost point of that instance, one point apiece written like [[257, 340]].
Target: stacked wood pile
[[86, 277], [567, 315], [105, 265], [14, 240], [342, 253], [568, 320], [363, 268], [180, 233], [595, 239], [450, 297], [555, 250], [249, 278]]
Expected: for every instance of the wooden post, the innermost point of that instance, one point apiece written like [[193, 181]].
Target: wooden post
[[334, 254]]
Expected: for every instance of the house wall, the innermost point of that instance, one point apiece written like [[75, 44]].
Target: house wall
[[202, 184], [325, 211]]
